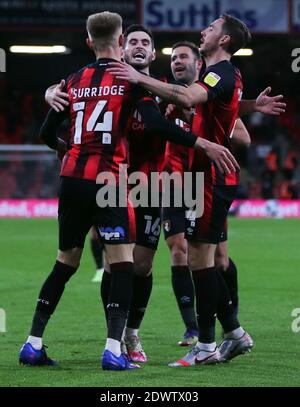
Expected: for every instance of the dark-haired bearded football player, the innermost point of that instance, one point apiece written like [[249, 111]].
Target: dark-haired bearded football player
[[216, 98], [186, 64]]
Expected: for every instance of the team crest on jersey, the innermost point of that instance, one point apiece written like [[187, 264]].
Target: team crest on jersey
[[212, 79], [167, 225]]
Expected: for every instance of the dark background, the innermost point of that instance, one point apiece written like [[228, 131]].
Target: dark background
[[22, 87]]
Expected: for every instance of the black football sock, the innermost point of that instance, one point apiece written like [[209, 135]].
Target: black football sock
[[206, 291], [49, 296], [119, 299], [231, 280], [97, 250], [104, 290], [39, 323], [142, 287], [225, 312], [184, 291]]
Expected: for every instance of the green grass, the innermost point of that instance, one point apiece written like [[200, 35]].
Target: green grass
[[267, 255]]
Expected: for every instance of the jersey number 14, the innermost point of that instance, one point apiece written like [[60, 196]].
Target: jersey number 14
[[93, 124]]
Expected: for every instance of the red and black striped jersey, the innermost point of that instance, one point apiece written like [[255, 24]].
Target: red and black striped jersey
[[178, 158], [215, 119], [147, 150], [101, 108]]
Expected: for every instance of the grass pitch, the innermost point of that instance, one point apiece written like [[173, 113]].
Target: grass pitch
[[267, 255]]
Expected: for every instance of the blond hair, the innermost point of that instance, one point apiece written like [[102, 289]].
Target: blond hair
[[103, 29]]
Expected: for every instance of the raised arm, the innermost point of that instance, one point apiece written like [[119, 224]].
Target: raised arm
[[177, 94], [265, 104]]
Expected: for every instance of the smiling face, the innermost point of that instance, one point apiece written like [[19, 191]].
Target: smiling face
[[138, 50], [184, 65], [213, 37]]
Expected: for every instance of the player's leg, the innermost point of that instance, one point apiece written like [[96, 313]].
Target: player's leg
[[116, 227], [97, 252], [201, 252], [236, 340], [120, 259], [182, 283], [227, 268], [75, 200], [147, 238], [142, 288], [104, 293], [212, 296], [105, 286]]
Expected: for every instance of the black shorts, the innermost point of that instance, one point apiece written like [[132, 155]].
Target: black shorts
[[173, 221], [173, 215], [211, 227], [148, 223], [78, 212]]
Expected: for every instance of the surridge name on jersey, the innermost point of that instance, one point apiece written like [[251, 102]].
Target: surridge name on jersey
[[114, 90]]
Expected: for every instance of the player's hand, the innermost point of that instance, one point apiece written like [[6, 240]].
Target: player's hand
[[56, 98], [220, 155], [124, 71], [272, 105], [171, 111], [61, 149], [178, 112]]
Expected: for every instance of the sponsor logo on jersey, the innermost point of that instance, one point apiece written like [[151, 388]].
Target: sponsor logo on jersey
[[108, 233]]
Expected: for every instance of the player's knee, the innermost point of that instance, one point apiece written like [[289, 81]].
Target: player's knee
[[198, 262], [178, 248], [119, 253], [221, 262], [143, 267], [179, 255], [193, 261], [70, 257]]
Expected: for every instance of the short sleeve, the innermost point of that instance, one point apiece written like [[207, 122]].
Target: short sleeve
[[219, 81]]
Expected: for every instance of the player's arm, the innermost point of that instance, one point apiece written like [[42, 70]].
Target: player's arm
[[240, 134], [177, 94], [56, 97], [265, 104], [48, 131], [156, 124]]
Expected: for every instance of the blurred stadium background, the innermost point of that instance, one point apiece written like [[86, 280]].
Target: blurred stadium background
[[270, 167]]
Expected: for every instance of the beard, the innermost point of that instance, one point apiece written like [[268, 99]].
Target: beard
[[188, 77]]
